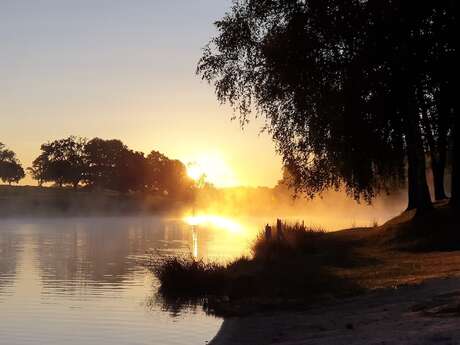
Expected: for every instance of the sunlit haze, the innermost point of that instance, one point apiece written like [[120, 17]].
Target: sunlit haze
[[125, 70], [218, 222], [214, 168]]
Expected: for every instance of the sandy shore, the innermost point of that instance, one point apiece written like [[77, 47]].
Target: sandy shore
[[428, 313]]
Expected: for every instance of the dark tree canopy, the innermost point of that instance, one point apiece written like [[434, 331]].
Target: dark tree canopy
[[106, 161], [342, 86], [167, 176], [60, 161], [11, 170], [300, 64], [110, 164]]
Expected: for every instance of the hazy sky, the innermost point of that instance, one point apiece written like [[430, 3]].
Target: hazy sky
[[121, 69]]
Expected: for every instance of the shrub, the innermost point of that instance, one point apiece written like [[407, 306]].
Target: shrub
[[182, 275]]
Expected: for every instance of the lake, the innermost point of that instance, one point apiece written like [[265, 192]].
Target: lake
[[81, 280]]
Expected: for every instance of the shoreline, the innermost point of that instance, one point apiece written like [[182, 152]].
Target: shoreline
[[46, 202], [426, 313]]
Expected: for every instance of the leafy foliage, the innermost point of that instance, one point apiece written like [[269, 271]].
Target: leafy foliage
[[109, 164], [61, 161], [337, 83], [11, 170]]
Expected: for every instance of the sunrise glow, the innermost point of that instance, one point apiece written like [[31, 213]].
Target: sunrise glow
[[214, 168], [215, 221]]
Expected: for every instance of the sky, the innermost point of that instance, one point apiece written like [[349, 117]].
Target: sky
[[123, 69]]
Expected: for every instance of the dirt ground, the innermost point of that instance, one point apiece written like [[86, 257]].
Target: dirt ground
[[426, 313], [412, 297]]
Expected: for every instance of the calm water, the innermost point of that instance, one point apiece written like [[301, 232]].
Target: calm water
[[81, 281]]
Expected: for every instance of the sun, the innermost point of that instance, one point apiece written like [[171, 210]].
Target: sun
[[213, 167], [195, 171]]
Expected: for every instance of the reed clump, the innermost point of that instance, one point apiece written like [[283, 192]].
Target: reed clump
[[185, 275]]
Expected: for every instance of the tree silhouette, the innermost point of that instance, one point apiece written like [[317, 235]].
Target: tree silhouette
[[343, 86], [61, 161], [113, 165], [178, 184], [110, 164], [11, 170], [131, 170], [106, 161], [157, 172], [167, 176]]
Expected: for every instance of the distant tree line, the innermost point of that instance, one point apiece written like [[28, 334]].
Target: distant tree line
[[356, 94], [101, 164]]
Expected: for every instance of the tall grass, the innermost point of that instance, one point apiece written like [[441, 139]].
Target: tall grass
[[311, 246], [179, 275]]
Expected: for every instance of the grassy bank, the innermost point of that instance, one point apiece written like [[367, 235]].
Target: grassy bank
[[292, 266], [31, 201]]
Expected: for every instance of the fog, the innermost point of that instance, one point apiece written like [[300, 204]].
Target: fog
[[332, 210]]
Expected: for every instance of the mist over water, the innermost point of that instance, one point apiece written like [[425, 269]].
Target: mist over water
[[81, 281], [331, 211]]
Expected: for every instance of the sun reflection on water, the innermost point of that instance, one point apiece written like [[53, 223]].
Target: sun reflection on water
[[194, 243], [216, 222]]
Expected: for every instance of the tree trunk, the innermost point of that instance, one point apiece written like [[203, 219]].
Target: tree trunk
[[437, 148], [443, 126], [419, 194], [455, 193], [411, 181], [438, 169], [405, 93], [452, 77]]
